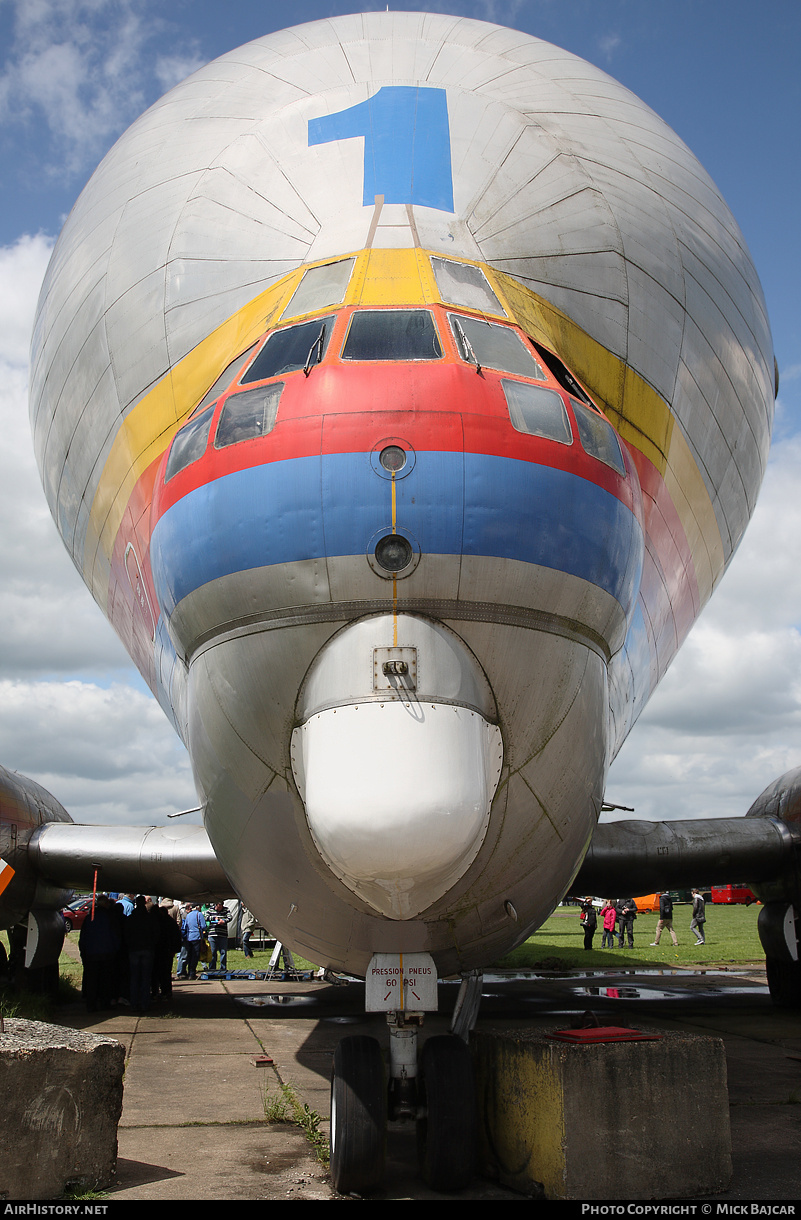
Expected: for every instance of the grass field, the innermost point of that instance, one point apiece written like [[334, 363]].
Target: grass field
[[731, 939]]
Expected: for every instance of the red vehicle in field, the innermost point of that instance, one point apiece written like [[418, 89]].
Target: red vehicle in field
[[733, 894], [76, 913]]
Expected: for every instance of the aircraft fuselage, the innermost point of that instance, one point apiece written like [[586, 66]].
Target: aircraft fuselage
[[401, 422]]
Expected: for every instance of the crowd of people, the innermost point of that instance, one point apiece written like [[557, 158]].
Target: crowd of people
[[128, 946], [617, 917]]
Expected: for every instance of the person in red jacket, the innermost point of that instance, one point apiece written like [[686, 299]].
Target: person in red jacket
[[609, 918]]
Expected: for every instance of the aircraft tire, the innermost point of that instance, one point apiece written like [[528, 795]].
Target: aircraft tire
[[358, 1117], [447, 1131], [784, 982]]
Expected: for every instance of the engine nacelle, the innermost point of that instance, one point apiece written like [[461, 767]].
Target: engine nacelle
[[780, 918], [26, 900], [781, 801]]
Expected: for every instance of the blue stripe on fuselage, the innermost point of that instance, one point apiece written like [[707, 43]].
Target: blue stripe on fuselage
[[452, 503]]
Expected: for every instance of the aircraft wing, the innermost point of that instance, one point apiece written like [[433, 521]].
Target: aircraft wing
[[176, 861], [633, 856]]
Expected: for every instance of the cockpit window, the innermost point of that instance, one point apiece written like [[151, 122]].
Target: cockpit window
[[537, 410], [320, 288], [291, 349], [225, 378], [248, 414], [562, 374], [466, 285], [392, 334], [598, 437], [189, 444], [490, 346]]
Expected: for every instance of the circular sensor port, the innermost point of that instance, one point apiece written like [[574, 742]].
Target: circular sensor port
[[393, 458], [393, 553]]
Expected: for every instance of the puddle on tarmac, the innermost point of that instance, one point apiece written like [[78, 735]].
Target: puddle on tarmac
[[657, 984], [624, 984], [277, 1000], [293, 1001]]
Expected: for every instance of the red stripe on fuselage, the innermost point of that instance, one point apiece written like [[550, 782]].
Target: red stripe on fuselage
[[670, 549], [438, 407], [133, 612]]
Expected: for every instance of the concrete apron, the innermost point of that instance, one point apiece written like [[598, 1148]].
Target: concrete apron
[[197, 1081], [194, 1063]]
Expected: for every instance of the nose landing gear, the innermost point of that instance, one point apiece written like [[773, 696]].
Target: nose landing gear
[[436, 1091]]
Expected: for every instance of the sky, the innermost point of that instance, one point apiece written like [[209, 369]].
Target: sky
[[74, 713]]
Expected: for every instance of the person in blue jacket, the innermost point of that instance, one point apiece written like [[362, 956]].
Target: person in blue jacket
[[193, 929]]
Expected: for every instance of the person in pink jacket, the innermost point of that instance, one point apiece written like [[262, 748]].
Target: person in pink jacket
[[608, 915]]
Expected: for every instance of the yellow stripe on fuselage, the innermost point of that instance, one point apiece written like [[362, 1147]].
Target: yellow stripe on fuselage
[[380, 277], [404, 277], [149, 426]]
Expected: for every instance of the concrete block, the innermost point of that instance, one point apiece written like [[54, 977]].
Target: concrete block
[[617, 1120], [60, 1104]]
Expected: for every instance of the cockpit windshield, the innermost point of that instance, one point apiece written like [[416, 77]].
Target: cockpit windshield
[[392, 334], [248, 415]]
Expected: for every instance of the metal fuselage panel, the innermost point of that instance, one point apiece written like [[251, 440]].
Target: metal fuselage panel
[[542, 816], [565, 512], [504, 554]]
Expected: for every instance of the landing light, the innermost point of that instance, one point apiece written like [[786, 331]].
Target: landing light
[[393, 458], [393, 552]]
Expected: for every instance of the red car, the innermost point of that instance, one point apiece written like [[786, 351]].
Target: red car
[[76, 913]]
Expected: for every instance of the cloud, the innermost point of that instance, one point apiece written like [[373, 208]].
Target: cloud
[[608, 45], [726, 719], [73, 712], [22, 268], [103, 753], [85, 69]]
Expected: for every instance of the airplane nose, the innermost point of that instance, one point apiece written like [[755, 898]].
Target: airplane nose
[[397, 760]]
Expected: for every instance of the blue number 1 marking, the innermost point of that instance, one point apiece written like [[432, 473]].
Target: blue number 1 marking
[[407, 144]]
